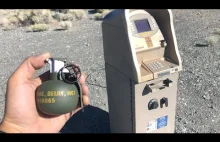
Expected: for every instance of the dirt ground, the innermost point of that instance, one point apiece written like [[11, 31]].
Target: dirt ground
[[198, 103]]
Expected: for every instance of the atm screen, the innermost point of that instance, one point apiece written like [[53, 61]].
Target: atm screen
[[142, 25]]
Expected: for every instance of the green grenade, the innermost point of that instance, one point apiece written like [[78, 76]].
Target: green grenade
[[62, 93]]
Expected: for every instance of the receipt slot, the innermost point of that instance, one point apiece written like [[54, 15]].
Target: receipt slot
[[142, 64]]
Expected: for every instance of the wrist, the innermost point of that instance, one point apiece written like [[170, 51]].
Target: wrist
[[8, 127]]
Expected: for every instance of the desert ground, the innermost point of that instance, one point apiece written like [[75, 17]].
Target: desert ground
[[198, 100]]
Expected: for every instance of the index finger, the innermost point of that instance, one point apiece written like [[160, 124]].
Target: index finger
[[85, 90]]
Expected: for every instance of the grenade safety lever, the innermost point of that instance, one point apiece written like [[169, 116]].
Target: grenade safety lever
[[62, 93]]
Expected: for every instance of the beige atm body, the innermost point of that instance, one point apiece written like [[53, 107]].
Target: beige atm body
[[142, 64]]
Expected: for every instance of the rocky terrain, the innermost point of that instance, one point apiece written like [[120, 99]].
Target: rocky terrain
[[198, 107]]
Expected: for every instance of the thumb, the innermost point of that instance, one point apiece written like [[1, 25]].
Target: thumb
[[27, 69]]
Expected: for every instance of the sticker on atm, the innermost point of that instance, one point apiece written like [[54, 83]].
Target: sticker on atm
[[151, 126], [149, 42], [157, 124]]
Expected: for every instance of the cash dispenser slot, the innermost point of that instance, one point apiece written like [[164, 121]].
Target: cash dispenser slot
[[157, 86]]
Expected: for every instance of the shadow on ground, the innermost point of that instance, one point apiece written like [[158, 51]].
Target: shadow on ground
[[92, 120]]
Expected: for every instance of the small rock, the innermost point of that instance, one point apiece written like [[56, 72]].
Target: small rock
[[179, 119], [184, 130], [86, 44], [67, 46], [201, 44], [207, 97], [177, 20]]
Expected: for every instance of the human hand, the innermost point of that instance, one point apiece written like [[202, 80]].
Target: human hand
[[21, 115]]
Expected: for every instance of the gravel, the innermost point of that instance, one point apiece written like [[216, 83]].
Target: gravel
[[198, 89], [198, 108]]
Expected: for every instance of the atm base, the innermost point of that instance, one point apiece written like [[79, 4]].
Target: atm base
[[148, 107]]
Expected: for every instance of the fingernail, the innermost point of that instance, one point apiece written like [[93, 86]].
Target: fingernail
[[45, 55]]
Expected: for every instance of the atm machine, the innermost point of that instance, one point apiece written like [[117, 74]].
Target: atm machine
[[142, 64]]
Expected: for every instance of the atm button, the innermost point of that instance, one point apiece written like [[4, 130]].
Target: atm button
[[132, 29]]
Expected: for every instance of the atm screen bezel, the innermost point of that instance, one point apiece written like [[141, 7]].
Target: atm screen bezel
[[153, 25]]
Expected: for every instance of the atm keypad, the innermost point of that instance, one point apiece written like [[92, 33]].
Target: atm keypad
[[156, 65]]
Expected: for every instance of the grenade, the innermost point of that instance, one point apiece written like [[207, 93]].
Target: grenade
[[62, 93]]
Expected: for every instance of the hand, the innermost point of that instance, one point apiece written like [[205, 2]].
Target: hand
[[21, 115]]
